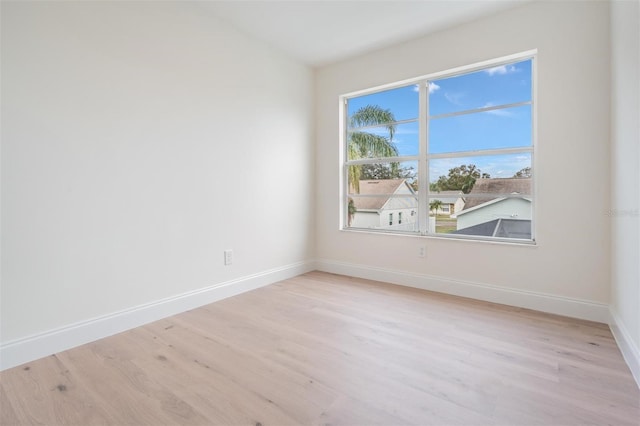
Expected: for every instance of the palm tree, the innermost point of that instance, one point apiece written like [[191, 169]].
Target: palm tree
[[435, 205], [363, 144], [351, 210]]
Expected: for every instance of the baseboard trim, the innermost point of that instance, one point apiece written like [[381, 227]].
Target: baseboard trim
[[549, 303], [20, 351], [630, 351]]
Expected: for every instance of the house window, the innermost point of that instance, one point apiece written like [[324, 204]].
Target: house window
[[399, 218], [465, 135]]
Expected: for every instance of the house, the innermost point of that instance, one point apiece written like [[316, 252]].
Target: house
[[396, 208], [496, 198], [452, 202], [142, 140]]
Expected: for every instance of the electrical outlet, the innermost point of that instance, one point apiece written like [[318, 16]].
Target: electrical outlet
[[422, 251], [228, 257]]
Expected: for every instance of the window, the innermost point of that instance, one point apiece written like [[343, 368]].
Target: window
[[464, 136]]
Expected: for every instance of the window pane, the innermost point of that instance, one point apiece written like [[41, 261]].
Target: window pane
[[388, 213], [400, 104], [499, 85], [499, 128], [493, 197], [449, 174], [383, 178], [442, 209], [487, 193], [378, 142]]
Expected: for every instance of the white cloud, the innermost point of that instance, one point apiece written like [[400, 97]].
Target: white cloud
[[454, 98], [432, 87], [501, 70]]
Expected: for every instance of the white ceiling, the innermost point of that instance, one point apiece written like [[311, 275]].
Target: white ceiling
[[319, 32]]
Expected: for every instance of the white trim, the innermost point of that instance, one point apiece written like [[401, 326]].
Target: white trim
[[483, 109], [30, 348], [630, 351], [482, 153], [576, 308]]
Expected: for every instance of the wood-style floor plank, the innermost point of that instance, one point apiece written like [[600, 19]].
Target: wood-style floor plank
[[323, 349]]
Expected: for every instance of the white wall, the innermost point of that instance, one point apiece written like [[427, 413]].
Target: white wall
[[625, 196], [139, 139], [569, 269]]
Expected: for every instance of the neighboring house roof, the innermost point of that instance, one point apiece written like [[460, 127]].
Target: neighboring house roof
[[447, 197], [502, 228], [499, 187], [375, 187]]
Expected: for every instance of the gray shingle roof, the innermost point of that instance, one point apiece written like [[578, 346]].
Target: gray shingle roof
[[447, 197], [375, 187], [498, 186]]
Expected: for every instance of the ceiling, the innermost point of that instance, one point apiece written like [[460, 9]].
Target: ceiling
[[318, 32]]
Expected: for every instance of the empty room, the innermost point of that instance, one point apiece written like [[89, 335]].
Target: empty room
[[318, 212]]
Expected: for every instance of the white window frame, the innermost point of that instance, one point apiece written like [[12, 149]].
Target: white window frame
[[423, 157]]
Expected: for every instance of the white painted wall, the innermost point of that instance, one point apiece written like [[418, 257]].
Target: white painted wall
[[625, 167], [139, 139], [572, 258]]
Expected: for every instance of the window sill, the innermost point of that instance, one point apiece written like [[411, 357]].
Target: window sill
[[462, 238]]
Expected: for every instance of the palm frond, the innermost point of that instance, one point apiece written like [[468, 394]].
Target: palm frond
[[369, 145], [374, 115]]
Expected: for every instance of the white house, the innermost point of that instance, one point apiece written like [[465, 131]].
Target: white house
[[492, 199], [452, 202], [388, 210]]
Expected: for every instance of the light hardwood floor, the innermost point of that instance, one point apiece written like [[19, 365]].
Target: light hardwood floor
[[323, 349]]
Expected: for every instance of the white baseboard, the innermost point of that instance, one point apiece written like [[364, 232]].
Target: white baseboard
[[575, 308], [27, 349], [630, 351]]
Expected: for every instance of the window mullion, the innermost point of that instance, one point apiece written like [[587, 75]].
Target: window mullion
[[400, 159], [423, 164]]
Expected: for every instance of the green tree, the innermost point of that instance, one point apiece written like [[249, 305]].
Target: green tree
[[362, 144], [461, 178], [351, 210], [523, 173], [386, 171]]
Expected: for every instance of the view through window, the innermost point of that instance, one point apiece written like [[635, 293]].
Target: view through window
[[447, 156]]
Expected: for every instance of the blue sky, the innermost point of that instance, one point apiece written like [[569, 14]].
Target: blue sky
[[502, 128]]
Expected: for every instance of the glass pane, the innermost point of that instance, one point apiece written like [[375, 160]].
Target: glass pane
[[459, 174], [383, 107], [383, 178], [389, 213], [378, 142], [499, 85], [442, 209], [500, 128], [487, 196]]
